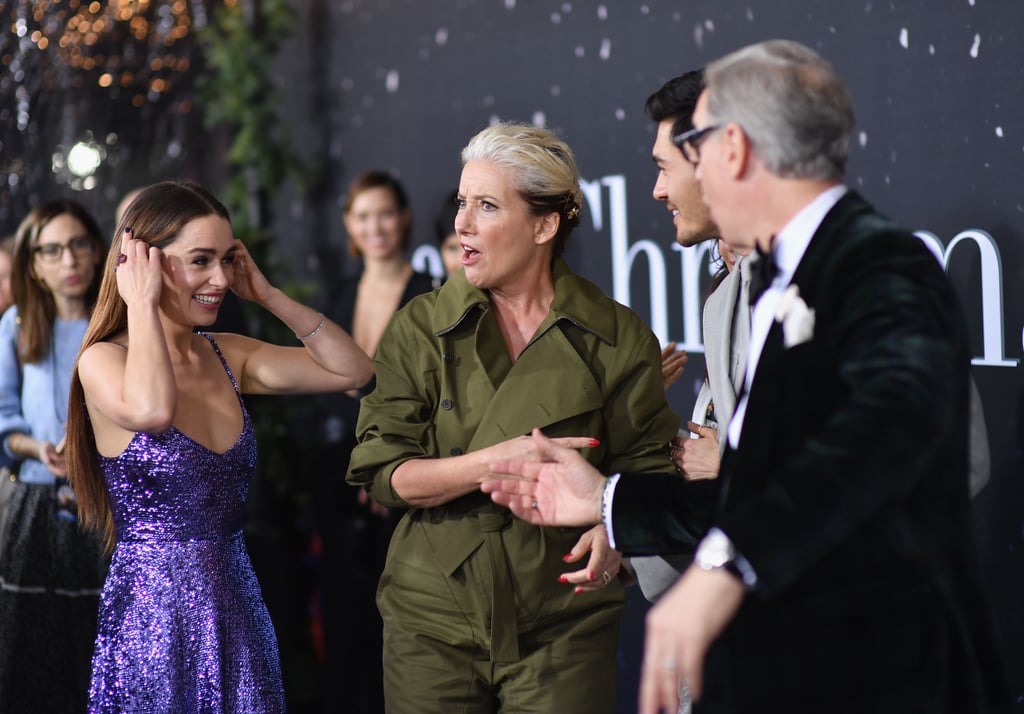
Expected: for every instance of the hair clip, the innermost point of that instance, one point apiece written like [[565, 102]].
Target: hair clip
[[572, 209]]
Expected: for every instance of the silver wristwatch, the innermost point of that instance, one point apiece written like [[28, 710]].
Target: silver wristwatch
[[716, 551]]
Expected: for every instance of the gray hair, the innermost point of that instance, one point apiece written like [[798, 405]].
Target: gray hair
[[791, 104], [540, 166]]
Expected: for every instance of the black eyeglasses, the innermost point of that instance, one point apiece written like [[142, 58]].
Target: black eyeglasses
[[689, 142], [53, 252]]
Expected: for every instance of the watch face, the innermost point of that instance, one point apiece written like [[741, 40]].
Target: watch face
[[715, 551]]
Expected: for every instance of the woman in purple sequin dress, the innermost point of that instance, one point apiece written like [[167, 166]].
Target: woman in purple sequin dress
[[162, 450]]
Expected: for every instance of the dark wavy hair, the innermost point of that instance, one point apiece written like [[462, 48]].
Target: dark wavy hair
[[676, 100]]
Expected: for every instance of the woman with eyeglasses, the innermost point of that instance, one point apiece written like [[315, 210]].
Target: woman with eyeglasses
[[51, 572]]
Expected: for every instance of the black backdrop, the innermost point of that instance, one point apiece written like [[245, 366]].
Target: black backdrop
[[402, 84]]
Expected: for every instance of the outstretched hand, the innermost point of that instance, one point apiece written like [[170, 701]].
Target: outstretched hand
[[672, 361], [559, 489]]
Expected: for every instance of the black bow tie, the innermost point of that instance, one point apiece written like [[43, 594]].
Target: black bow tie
[[762, 272]]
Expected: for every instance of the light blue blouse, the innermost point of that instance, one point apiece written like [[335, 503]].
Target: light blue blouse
[[34, 397]]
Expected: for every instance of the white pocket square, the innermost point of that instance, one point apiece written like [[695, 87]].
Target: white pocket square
[[796, 318]]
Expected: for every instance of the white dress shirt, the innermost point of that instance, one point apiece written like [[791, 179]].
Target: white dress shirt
[[790, 245]]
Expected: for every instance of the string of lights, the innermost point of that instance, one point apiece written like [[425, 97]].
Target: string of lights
[[83, 82]]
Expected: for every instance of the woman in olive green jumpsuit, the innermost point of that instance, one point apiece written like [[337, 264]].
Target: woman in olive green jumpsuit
[[481, 611]]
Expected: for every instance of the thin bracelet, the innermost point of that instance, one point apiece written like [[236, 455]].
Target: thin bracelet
[[315, 329]]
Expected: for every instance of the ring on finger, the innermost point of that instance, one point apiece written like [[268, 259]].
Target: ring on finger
[[605, 577]]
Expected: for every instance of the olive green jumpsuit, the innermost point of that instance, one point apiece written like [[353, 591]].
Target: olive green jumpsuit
[[475, 619]]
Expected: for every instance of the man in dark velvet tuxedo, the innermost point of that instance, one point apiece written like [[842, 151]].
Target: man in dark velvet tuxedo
[[839, 568]]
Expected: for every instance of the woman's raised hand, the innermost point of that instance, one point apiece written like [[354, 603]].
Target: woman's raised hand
[[139, 273], [250, 283]]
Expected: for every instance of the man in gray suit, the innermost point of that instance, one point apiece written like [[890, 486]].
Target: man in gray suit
[[726, 312]]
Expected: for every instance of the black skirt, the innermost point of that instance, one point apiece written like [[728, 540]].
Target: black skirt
[[51, 574]]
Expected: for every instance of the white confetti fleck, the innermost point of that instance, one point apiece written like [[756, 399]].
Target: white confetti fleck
[[556, 91], [709, 25], [579, 52], [493, 119], [566, 7], [974, 47], [539, 119], [555, 18], [887, 180], [391, 81], [510, 4], [441, 36], [698, 37], [602, 12], [862, 139], [750, 14], [645, 10], [606, 49], [931, 49], [620, 114], [904, 41], [999, 132]]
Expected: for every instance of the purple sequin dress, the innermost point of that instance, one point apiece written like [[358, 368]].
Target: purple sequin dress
[[182, 623]]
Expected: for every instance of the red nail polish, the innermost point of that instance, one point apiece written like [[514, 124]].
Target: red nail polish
[[595, 442], [563, 578], [593, 577], [578, 590], [567, 557]]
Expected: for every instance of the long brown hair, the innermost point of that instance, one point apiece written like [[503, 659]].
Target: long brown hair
[[157, 215], [36, 307]]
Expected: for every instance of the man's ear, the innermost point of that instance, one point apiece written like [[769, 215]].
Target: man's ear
[[736, 145], [547, 228]]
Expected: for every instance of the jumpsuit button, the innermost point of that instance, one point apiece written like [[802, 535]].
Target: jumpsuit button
[[456, 451], [447, 356], [446, 404]]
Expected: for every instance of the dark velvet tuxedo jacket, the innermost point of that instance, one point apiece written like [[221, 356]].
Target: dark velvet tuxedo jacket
[[848, 494]]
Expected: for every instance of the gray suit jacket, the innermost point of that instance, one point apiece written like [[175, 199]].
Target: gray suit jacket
[[726, 339]]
